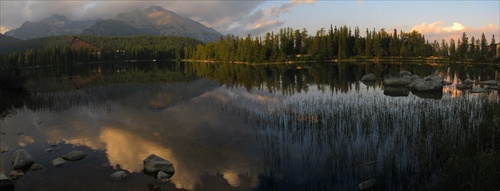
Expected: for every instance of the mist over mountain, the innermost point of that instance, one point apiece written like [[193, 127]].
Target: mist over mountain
[[152, 21], [54, 25]]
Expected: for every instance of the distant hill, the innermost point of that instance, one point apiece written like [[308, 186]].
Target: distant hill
[[34, 44], [7, 40], [54, 25], [154, 21]]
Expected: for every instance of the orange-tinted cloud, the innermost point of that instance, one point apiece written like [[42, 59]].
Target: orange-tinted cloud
[[4, 29]]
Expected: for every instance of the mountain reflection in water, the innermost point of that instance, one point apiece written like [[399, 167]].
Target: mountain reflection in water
[[252, 127]]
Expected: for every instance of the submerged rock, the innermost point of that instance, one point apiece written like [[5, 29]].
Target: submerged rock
[[6, 184], [489, 82], [478, 90], [429, 95], [16, 174], [154, 164], [74, 155], [369, 77], [367, 185], [58, 161], [48, 150], [396, 91], [5, 149], [21, 159], [463, 86], [468, 82], [491, 87], [162, 176], [152, 187], [447, 83], [119, 175], [36, 167]]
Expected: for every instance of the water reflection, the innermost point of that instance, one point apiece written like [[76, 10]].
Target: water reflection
[[263, 127]]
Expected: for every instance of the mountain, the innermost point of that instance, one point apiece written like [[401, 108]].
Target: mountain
[[54, 25], [155, 20], [116, 28]]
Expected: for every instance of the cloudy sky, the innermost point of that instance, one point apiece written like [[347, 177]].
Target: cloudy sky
[[435, 19]]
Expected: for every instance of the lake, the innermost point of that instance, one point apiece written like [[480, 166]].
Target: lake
[[253, 127]]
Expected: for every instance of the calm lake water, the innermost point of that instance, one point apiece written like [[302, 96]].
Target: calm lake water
[[252, 127]]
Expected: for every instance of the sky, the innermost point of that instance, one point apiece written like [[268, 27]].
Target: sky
[[435, 19]]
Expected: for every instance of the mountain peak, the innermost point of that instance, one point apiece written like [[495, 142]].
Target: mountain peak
[[154, 9]]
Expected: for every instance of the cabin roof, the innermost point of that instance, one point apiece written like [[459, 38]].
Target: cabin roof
[[78, 43]]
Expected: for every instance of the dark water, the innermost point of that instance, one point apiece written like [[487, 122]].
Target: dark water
[[253, 127]]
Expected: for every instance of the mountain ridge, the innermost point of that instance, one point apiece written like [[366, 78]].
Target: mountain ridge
[[154, 20]]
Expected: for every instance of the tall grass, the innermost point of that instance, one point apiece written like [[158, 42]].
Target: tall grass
[[340, 140]]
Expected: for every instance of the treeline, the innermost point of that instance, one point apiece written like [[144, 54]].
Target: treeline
[[340, 43], [57, 50]]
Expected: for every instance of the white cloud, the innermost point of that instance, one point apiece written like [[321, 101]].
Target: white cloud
[[455, 27], [435, 30]]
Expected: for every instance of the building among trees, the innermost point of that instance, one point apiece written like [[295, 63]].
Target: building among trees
[[79, 44]]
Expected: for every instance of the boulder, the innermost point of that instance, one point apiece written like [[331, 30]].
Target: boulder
[[489, 82], [429, 84], [399, 79], [16, 174], [36, 167], [58, 161], [6, 184], [369, 77], [478, 90], [74, 155], [119, 175], [154, 164], [21, 159]]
